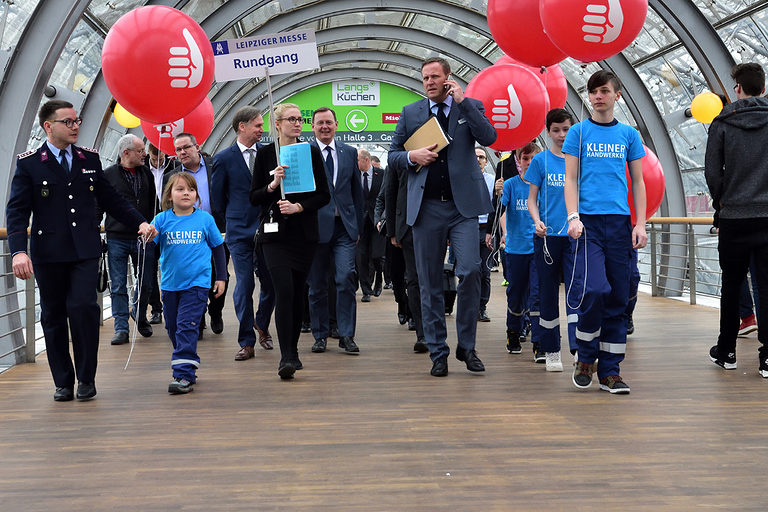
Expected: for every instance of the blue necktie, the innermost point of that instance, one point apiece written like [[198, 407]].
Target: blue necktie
[[329, 166], [64, 162]]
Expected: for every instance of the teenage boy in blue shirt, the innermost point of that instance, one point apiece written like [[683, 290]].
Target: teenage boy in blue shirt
[[596, 152]]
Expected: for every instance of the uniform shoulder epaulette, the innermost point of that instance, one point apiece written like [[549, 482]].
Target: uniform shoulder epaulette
[[26, 154], [90, 150]]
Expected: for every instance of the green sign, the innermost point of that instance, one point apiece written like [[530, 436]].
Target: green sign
[[367, 111]]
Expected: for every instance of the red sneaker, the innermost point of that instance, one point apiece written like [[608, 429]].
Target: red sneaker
[[748, 325]]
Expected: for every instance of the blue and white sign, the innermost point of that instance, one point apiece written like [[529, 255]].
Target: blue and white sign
[[286, 52]]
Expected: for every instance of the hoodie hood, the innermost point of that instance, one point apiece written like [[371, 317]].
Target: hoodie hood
[[745, 114]]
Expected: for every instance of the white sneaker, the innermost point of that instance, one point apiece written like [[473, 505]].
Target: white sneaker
[[553, 362]]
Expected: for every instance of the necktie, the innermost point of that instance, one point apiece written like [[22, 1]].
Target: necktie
[[441, 117], [329, 165], [365, 185], [64, 162], [251, 159]]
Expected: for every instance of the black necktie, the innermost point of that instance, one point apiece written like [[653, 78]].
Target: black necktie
[[365, 185], [329, 165], [441, 117], [64, 162]]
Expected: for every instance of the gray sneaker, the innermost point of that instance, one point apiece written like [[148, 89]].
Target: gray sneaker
[[582, 375], [180, 386]]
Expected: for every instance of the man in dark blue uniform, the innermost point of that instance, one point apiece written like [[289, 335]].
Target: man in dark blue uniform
[[61, 185]]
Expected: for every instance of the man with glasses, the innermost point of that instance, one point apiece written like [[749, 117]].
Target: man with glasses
[[135, 184], [188, 154], [59, 184]]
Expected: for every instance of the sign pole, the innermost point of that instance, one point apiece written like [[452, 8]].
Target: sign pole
[[273, 128]]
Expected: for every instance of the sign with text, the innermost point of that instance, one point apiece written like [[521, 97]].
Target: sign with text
[[286, 52], [298, 175], [355, 92]]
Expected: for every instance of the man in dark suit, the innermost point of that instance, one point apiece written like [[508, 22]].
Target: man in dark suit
[[231, 184], [446, 194], [338, 232], [61, 185], [134, 183], [370, 249], [188, 155]]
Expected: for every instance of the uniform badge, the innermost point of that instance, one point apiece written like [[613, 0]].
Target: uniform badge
[[44, 192], [91, 187]]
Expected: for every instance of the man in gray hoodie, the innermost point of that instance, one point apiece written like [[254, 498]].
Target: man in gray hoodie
[[736, 169]]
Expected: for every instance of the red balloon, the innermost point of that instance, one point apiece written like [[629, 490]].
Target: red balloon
[[515, 102], [653, 177], [157, 63], [516, 28], [199, 123], [592, 30], [553, 79]]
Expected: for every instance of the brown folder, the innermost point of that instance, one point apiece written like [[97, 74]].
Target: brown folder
[[427, 134]]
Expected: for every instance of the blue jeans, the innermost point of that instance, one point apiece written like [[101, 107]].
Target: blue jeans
[[118, 253]]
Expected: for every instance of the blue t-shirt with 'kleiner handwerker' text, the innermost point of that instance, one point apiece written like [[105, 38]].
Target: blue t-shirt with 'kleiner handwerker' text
[[520, 228], [603, 151], [185, 249], [551, 196]]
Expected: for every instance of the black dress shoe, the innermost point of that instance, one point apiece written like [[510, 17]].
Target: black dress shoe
[[402, 318], [420, 347], [349, 345], [334, 333], [286, 371], [483, 317], [366, 298], [297, 364], [474, 364], [144, 328], [411, 324], [63, 395], [120, 338], [157, 318], [440, 367], [217, 325], [85, 391], [306, 327], [377, 291], [319, 345]]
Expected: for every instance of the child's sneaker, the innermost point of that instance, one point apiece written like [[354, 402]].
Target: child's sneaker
[[728, 362], [613, 384], [513, 343], [179, 386], [553, 362], [764, 368], [538, 354], [582, 375]]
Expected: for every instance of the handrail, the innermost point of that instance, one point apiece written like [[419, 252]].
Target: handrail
[[680, 220]]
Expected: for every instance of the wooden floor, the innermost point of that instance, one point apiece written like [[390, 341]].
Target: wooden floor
[[375, 432]]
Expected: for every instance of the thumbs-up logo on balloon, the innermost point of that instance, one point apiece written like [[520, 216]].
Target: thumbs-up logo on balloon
[[603, 23], [507, 113], [186, 63], [170, 130]]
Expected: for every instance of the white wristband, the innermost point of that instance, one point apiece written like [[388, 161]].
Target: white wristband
[[573, 216]]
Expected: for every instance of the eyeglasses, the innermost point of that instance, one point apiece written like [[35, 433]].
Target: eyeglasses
[[69, 122], [292, 120], [184, 148], [735, 86]]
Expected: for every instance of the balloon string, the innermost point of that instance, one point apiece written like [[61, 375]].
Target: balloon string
[[137, 289]]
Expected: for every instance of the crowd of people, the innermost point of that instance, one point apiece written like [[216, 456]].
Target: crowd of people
[[560, 215]]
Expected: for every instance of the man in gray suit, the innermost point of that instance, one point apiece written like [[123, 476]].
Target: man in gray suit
[[446, 194]]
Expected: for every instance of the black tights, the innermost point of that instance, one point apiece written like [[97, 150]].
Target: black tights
[[289, 309]]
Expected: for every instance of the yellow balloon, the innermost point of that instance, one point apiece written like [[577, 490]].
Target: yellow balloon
[[125, 118], [706, 106]]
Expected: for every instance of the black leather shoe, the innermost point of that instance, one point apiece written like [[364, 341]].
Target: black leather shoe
[[402, 318], [217, 325], [85, 391], [306, 327], [319, 345], [474, 364], [157, 318], [440, 367], [420, 346], [377, 290], [349, 345], [63, 395], [411, 324], [286, 371], [120, 338], [144, 328], [334, 333], [366, 298], [483, 317], [297, 364]]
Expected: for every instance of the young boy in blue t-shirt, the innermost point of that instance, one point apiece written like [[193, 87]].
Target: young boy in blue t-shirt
[[519, 269], [596, 153], [551, 245]]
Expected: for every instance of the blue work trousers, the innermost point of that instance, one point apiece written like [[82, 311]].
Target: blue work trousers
[[183, 310], [522, 293], [551, 264]]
